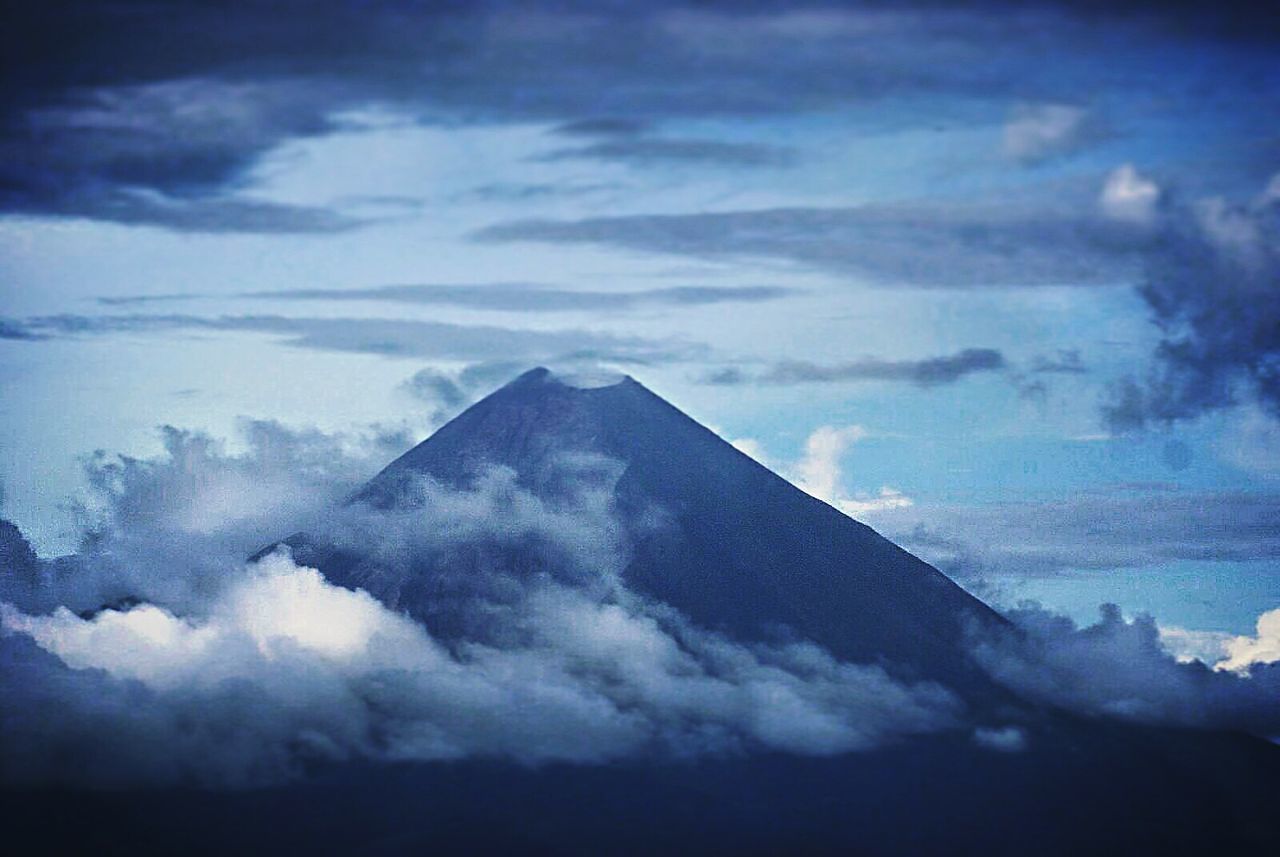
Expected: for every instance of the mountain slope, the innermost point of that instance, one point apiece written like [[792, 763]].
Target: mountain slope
[[711, 532]]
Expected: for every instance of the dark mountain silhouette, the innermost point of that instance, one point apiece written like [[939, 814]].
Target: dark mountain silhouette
[[728, 543]]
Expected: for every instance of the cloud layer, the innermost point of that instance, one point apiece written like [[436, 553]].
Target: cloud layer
[[927, 372], [158, 655], [919, 246], [202, 668], [114, 115], [392, 337], [1119, 668]]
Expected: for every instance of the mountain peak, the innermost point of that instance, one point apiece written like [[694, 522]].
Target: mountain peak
[[598, 379], [739, 549]]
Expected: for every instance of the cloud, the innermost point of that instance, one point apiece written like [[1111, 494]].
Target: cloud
[[528, 297], [1118, 668], [652, 150], [1116, 527], [1128, 196], [1005, 739], [1242, 653], [925, 373], [447, 393], [103, 101], [164, 153], [602, 126], [391, 337], [1209, 287], [922, 246], [168, 529], [862, 503], [820, 472], [202, 668], [1252, 442], [1066, 362], [1037, 132], [928, 372], [1186, 645]]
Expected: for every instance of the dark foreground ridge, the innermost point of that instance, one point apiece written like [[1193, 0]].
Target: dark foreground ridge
[[735, 548]]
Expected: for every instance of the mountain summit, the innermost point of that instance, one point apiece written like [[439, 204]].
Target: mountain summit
[[711, 532]]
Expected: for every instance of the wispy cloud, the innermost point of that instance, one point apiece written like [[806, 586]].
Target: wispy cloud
[[1095, 530], [512, 297], [923, 246], [1038, 132], [643, 150], [927, 372], [390, 337]]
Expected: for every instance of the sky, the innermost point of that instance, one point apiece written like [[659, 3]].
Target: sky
[[999, 279]]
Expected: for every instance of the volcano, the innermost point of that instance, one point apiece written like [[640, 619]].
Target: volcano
[[710, 532]]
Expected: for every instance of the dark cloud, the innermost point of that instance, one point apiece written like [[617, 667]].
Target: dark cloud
[[168, 154], [102, 101], [604, 126], [1210, 285], [392, 337], [929, 372], [642, 150], [11, 329], [934, 246], [206, 215]]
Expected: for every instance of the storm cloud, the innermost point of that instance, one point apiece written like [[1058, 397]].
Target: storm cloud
[[1210, 286], [115, 113]]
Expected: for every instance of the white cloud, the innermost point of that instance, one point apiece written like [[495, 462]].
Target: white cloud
[[576, 680], [819, 471], [821, 474], [1263, 648], [1129, 196], [751, 448], [866, 504], [1037, 131], [1188, 645], [565, 664]]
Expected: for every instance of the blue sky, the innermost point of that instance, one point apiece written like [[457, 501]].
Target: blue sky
[[1030, 253]]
